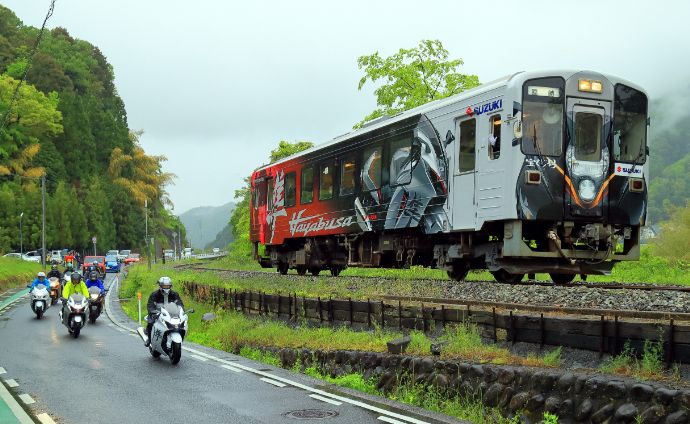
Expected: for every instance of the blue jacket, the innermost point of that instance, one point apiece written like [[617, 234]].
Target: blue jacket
[[98, 283], [36, 282]]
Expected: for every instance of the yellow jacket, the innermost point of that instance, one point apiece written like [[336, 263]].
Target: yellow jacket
[[71, 288]]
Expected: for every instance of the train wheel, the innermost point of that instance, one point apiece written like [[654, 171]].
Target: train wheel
[[503, 276], [562, 278], [283, 268], [301, 270], [336, 270], [314, 271], [458, 270]]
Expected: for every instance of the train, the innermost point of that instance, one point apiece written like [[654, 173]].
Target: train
[[535, 172]]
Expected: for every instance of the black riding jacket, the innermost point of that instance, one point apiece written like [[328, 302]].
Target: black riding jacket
[[158, 297], [55, 273]]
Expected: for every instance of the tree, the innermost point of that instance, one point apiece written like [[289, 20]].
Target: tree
[[674, 241], [77, 221], [413, 77], [59, 230], [99, 214]]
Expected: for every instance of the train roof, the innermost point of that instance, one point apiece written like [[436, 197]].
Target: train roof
[[517, 78]]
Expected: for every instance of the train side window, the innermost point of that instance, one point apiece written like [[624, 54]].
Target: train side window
[[269, 195], [401, 160], [495, 137], [347, 176], [371, 168], [326, 182], [290, 190], [468, 133], [306, 186]]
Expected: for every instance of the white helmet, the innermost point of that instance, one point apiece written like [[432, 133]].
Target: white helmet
[[165, 284], [41, 275]]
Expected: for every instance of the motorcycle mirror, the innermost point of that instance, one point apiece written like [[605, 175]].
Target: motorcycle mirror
[[28, 286], [191, 311]]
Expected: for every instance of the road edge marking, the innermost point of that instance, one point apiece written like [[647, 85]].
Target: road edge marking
[[45, 418], [12, 383], [271, 381], [27, 399], [390, 420], [325, 399], [231, 368]]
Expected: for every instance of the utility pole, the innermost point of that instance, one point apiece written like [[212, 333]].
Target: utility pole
[[174, 236], [146, 232], [21, 235], [43, 230]]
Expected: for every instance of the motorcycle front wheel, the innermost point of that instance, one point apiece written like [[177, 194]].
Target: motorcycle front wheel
[[76, 332], [39, 314], [176, 353], [92, 319]]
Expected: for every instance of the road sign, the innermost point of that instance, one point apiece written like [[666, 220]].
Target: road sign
[[93, 239]]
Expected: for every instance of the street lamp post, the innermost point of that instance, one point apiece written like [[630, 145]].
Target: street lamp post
[[174, 236], [21, 235]]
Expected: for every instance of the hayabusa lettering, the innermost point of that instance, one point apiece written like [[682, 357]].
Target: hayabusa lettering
[[308, 224]]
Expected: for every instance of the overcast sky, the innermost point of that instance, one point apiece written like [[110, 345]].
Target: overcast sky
[[215, 84]]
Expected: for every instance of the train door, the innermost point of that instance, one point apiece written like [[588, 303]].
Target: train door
[[490, 169], [464, 174], [587, 157]]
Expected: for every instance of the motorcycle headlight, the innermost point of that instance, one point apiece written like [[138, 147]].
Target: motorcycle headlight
[[587, 190], [94, 297]]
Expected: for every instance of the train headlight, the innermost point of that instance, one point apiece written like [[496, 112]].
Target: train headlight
[[591, 86], [587, 190]]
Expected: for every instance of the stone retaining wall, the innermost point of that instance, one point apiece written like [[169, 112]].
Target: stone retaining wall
[[575, 397]]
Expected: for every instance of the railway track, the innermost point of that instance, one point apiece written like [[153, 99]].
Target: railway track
[[603, 286]]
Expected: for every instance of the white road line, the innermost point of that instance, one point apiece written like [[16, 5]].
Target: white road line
[[2, 370], [231, 368], [14, 406], [45, 418], [390, 420], [325, 399], [28, 400], [199, 358], [275, 383], [11, 382]]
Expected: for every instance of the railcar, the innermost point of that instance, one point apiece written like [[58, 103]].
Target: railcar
[[536, 172]]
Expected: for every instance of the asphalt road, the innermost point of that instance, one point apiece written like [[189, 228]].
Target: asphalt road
[[107, 376]]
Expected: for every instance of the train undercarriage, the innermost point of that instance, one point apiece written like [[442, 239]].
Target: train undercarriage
[[508, 249]]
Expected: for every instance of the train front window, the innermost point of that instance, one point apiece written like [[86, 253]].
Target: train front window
[[629, 124], [588, 129], [542, 117]]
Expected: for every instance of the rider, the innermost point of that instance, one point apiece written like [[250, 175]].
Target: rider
[[94, 281], [40, 279], [55, 272], [75, 286], [163, 295]]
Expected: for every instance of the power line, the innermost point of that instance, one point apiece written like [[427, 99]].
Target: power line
[[15, 96]]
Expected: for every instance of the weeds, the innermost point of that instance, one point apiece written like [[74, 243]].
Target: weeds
[[15, 273], [649, 366]]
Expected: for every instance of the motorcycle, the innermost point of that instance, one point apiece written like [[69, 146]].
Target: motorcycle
[[55, 289], [73, 315], [39, 300], [95, 304], [169, 329]]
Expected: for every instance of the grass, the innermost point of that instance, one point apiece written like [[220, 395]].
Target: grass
[[649, 366], [649, 269], [233, 331], [16, 273]]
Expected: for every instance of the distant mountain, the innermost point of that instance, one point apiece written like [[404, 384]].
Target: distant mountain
[[223, 238], [205, 222]]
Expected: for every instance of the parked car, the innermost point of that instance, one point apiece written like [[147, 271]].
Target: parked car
[[17, 255], [112, 264], [187, 252], [133, 257], [100, 263], [169, 253]]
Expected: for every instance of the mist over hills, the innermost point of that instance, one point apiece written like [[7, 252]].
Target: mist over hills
[[205, 222]]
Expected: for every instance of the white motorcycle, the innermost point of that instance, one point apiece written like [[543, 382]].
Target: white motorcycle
[[167, 333], [40, 299], [75, 318]]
